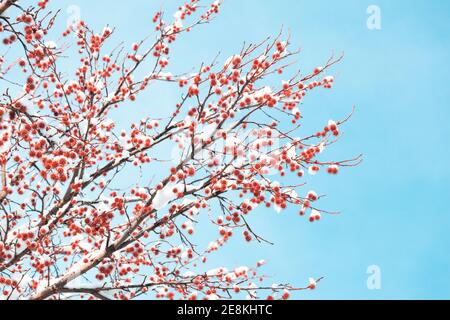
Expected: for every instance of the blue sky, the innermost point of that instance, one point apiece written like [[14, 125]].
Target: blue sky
[[394, 206]]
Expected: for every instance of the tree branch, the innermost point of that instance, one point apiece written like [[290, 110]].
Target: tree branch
[[5, 5]]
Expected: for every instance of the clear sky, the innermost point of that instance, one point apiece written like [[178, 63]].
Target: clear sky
[[394, 206]]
